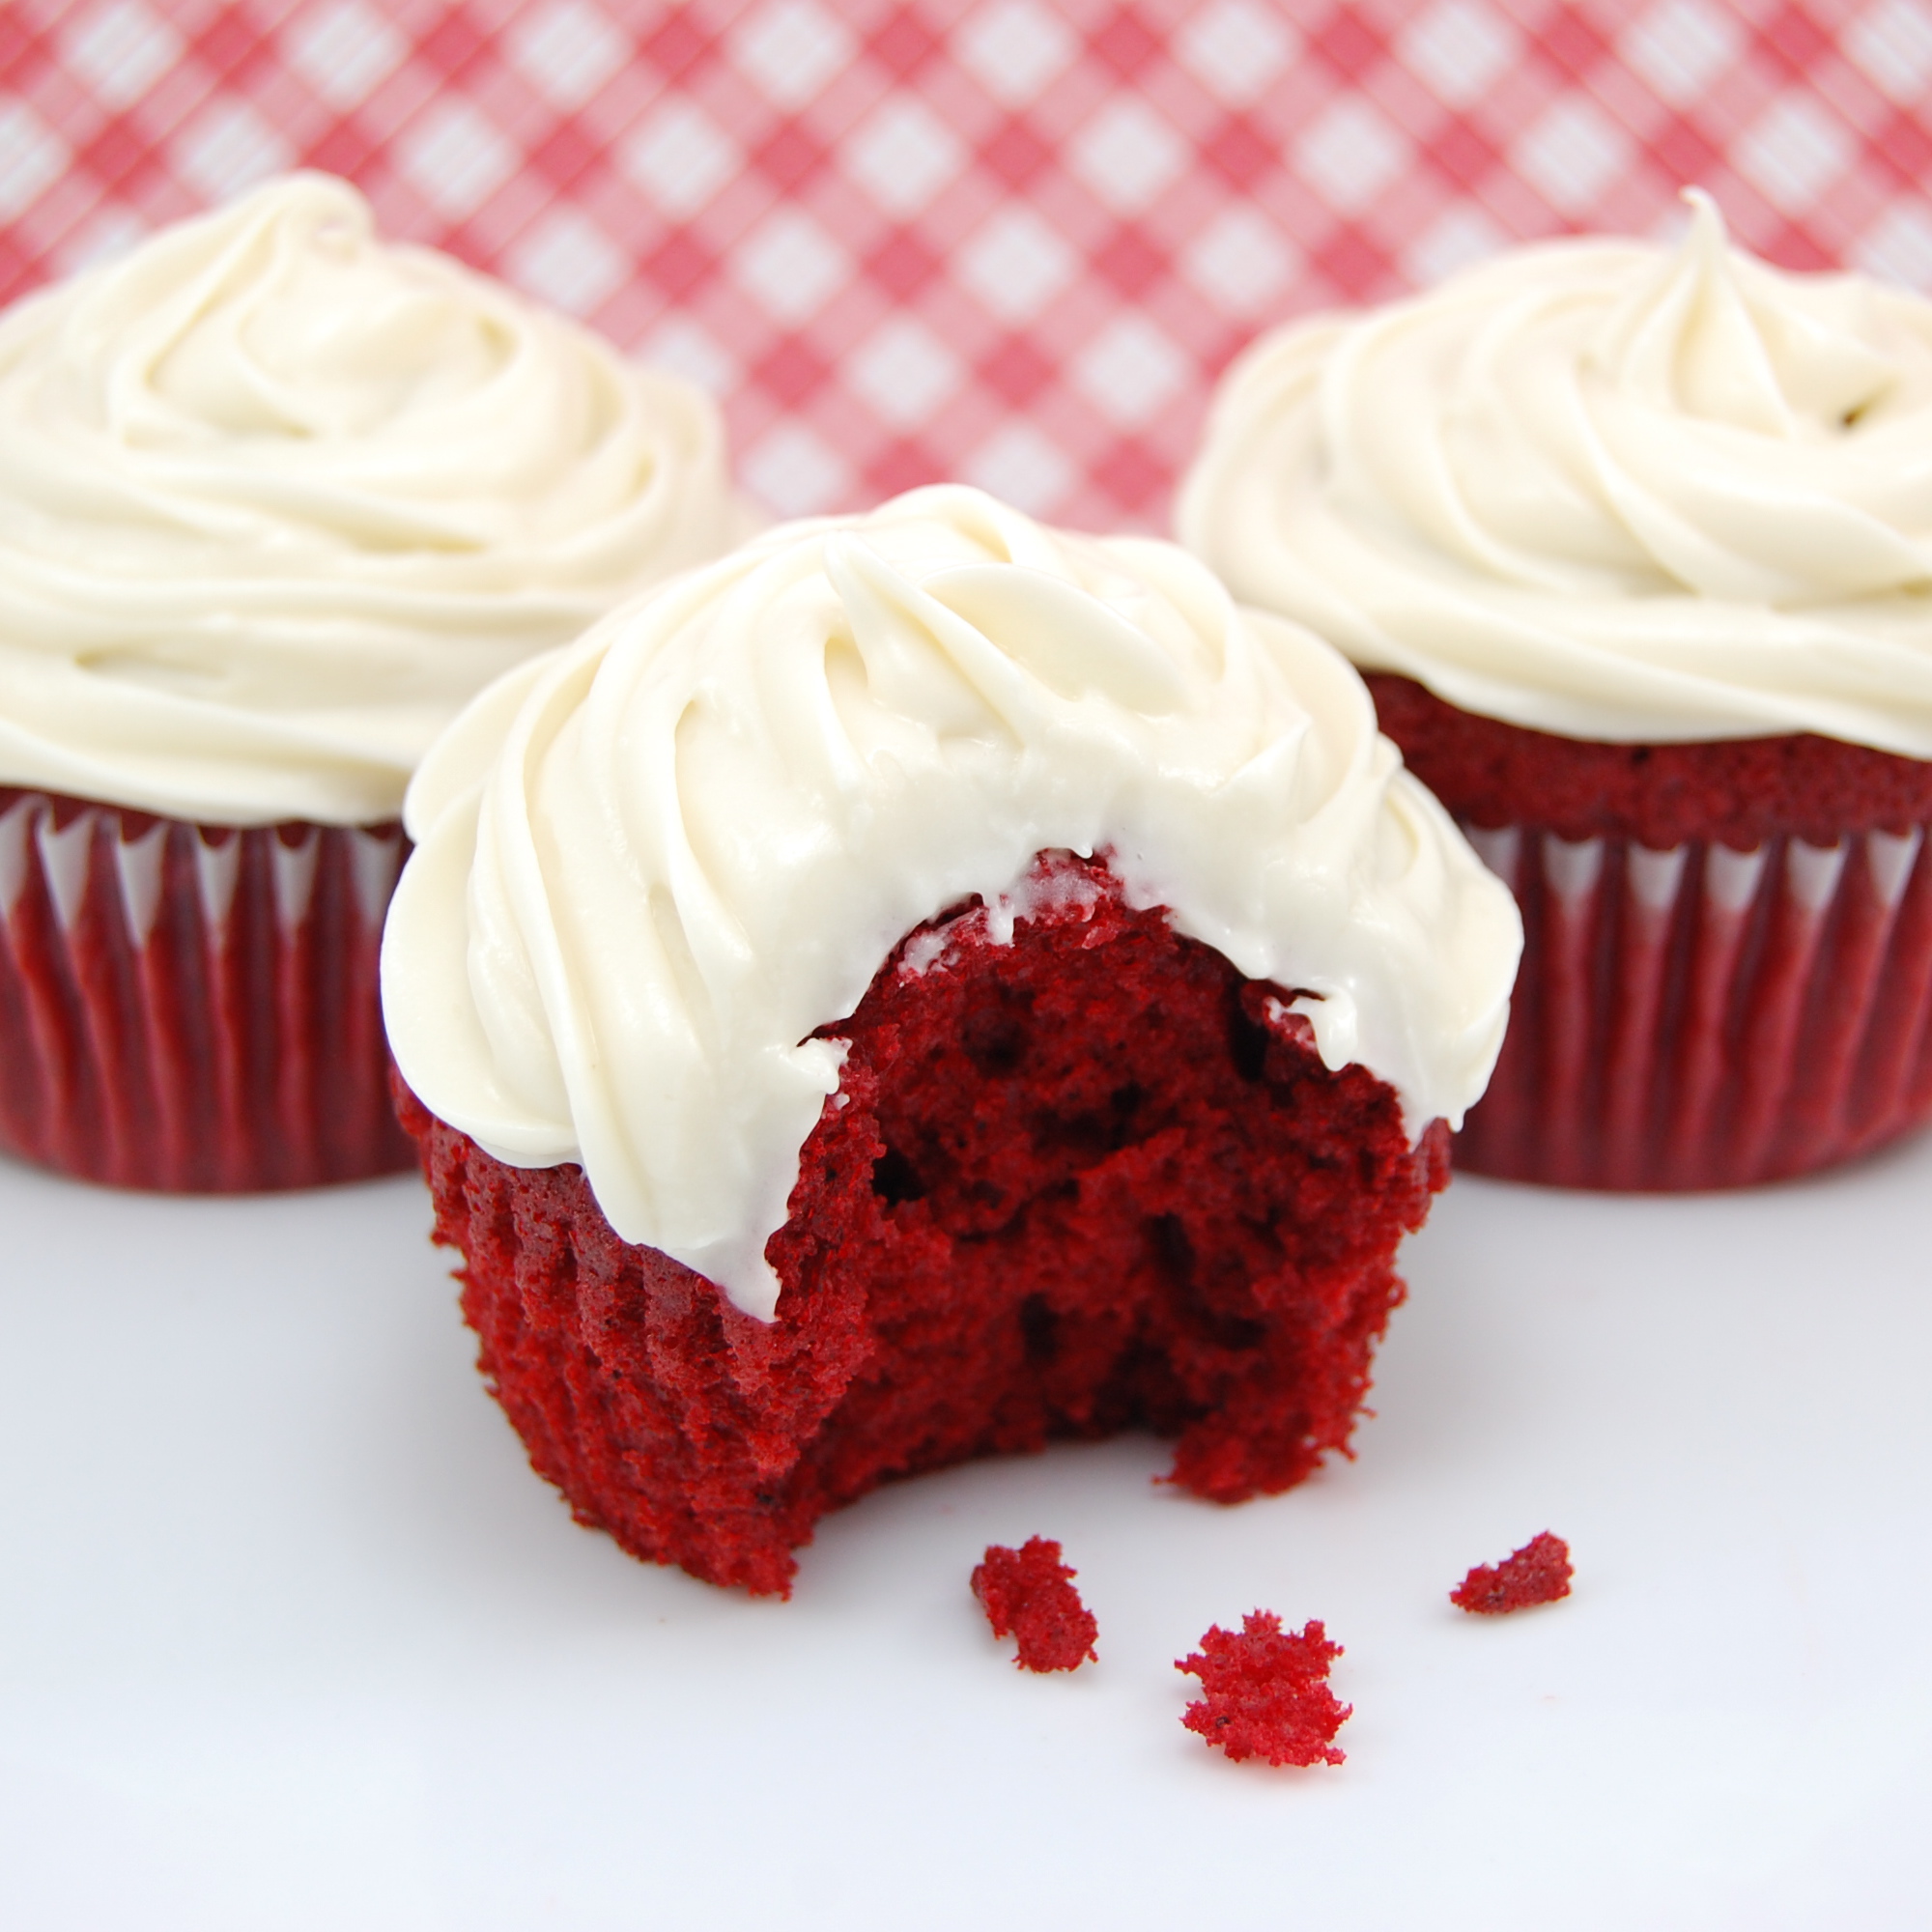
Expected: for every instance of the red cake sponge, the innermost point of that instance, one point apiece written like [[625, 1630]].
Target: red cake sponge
[[1080, 1176], [1737, 790], [1539, 1572], [1267, 1691], [1028, 1593]]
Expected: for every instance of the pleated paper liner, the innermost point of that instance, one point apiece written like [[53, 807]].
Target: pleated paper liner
[[1703, 1017], [192, 1008]]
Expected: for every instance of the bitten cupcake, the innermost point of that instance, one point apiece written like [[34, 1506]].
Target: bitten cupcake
[[1635, 546], [275, 501], [918, 986]]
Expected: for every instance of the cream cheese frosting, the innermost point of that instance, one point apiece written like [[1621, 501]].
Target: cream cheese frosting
[[1604, 488], [651, 865], [276, 501]]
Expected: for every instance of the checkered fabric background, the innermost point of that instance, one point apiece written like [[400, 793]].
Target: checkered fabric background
[[999, 239]]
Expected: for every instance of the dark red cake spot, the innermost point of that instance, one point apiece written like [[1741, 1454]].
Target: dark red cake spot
[[1085, 1180], [1267, 1691], [1735, 791], [1028, 1593], [1539, 1572]]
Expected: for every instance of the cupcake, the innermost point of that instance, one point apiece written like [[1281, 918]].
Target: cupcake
[[922, 985], [1633, 544], [275, 502]]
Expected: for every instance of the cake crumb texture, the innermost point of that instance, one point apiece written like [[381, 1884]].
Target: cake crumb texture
[[1079, 1176], [1028, 1593], [1267, 1691], [1539, 1572]]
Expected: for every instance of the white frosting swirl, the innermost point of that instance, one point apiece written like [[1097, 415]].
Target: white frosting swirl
[[275, 502], [1601, 488], [650, 865]]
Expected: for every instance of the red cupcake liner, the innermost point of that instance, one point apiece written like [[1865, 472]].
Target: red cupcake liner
[[1706, 1017], [192, 1008]]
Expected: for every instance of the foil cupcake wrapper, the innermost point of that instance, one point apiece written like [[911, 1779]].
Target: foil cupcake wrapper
[[1703, 1017], [192, 1008]]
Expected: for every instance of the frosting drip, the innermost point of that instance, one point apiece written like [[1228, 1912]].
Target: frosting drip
[[276, 501], [1601, 488], [651, 865]]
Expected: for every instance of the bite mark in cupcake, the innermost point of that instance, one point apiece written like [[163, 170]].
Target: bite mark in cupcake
[[924, 985]]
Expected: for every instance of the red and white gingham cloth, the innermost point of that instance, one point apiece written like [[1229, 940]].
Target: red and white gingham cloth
[[998, 240]]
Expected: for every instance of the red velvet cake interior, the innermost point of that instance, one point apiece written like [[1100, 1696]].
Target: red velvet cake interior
[[1267, 1692], [1539, 1572], [1029, 1593], [1085, 1180]]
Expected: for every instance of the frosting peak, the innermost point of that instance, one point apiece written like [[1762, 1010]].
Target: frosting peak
[[1603, 489], [277, 500], [1716, 336], [651, 867]]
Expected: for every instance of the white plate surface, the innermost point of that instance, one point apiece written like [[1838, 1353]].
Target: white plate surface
[[290, 1636]]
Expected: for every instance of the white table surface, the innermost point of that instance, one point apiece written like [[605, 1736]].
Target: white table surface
[[290, 1636]]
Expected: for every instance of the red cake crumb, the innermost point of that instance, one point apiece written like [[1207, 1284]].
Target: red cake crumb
[[1539, 1572], [1028, 1593], [1267, 1691], [1076, 1180], [1737, 791]]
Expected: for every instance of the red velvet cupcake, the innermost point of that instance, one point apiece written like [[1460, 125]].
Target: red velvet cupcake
[[921, 986], [1631, 544], [275, 503]]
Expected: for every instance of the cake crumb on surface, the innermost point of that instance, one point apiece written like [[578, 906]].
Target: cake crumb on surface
[[1028, 1593], [1539, 1572], [1267, 1691]]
